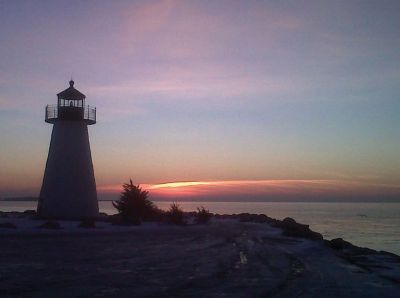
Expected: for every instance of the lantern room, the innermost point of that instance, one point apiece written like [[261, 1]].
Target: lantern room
[[71, 107]]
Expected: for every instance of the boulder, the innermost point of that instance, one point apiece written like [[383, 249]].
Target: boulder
[[246, 217], [293, 229], [259, 218], [340, 244]]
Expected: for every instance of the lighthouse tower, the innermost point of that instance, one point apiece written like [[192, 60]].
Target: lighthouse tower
[[69, 187]]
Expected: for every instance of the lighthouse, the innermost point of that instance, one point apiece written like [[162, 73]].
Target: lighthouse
[[69, 187]]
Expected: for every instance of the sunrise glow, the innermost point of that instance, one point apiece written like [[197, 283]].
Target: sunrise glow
[[198, 98], [275, 190], [178, 184]]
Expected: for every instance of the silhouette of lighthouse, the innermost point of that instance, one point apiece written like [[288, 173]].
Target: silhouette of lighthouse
[[69, 187]]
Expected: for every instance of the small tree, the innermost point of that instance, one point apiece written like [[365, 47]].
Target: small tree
[[176, 215], [203, 215], [133, 205]]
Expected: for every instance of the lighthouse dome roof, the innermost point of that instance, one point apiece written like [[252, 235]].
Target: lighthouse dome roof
[[71, 93]]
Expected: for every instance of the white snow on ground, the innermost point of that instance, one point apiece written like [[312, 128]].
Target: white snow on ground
[[226, 258]]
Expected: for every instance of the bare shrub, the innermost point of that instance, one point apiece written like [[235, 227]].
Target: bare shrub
[[202, 215], [175, 215]]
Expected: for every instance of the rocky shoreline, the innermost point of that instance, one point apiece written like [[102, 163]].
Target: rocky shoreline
[[237, 255]]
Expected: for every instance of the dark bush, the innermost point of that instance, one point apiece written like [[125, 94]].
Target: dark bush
[[175, 215], [202, 216], [133, 205]]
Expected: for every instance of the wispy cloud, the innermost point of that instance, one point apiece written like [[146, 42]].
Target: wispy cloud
[[267, 189]]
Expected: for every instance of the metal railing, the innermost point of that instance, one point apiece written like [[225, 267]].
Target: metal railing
[[54, 112]]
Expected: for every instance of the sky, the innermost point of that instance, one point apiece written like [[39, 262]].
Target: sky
[[230, 100]]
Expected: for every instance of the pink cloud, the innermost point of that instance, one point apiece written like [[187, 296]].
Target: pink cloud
[[263, 188]]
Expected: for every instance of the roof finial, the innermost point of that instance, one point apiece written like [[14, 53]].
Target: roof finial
[[71, 83]]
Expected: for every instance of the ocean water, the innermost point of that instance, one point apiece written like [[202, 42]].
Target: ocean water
[[373, 225]]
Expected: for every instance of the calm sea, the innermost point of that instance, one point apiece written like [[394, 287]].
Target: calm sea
[[373, 225]]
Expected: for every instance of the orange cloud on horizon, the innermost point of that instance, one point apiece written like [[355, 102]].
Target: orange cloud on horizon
[[276, 188]]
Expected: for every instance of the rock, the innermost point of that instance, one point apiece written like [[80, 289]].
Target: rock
[[246, 217], [339, 244], [390, 254], [225, 216], [351, 249], [52, 225], [262, 218], [293, 229], [259, 218], [7, 225]]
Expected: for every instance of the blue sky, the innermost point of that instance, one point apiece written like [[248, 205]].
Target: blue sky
[[208, 90]]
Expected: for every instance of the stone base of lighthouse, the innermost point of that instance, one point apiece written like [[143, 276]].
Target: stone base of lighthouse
[[69, 187]]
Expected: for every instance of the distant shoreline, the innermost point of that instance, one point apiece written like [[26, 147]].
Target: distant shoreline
[[33, 199]]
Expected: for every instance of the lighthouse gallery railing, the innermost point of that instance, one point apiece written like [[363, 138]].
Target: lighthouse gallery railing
[[52, 112]]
